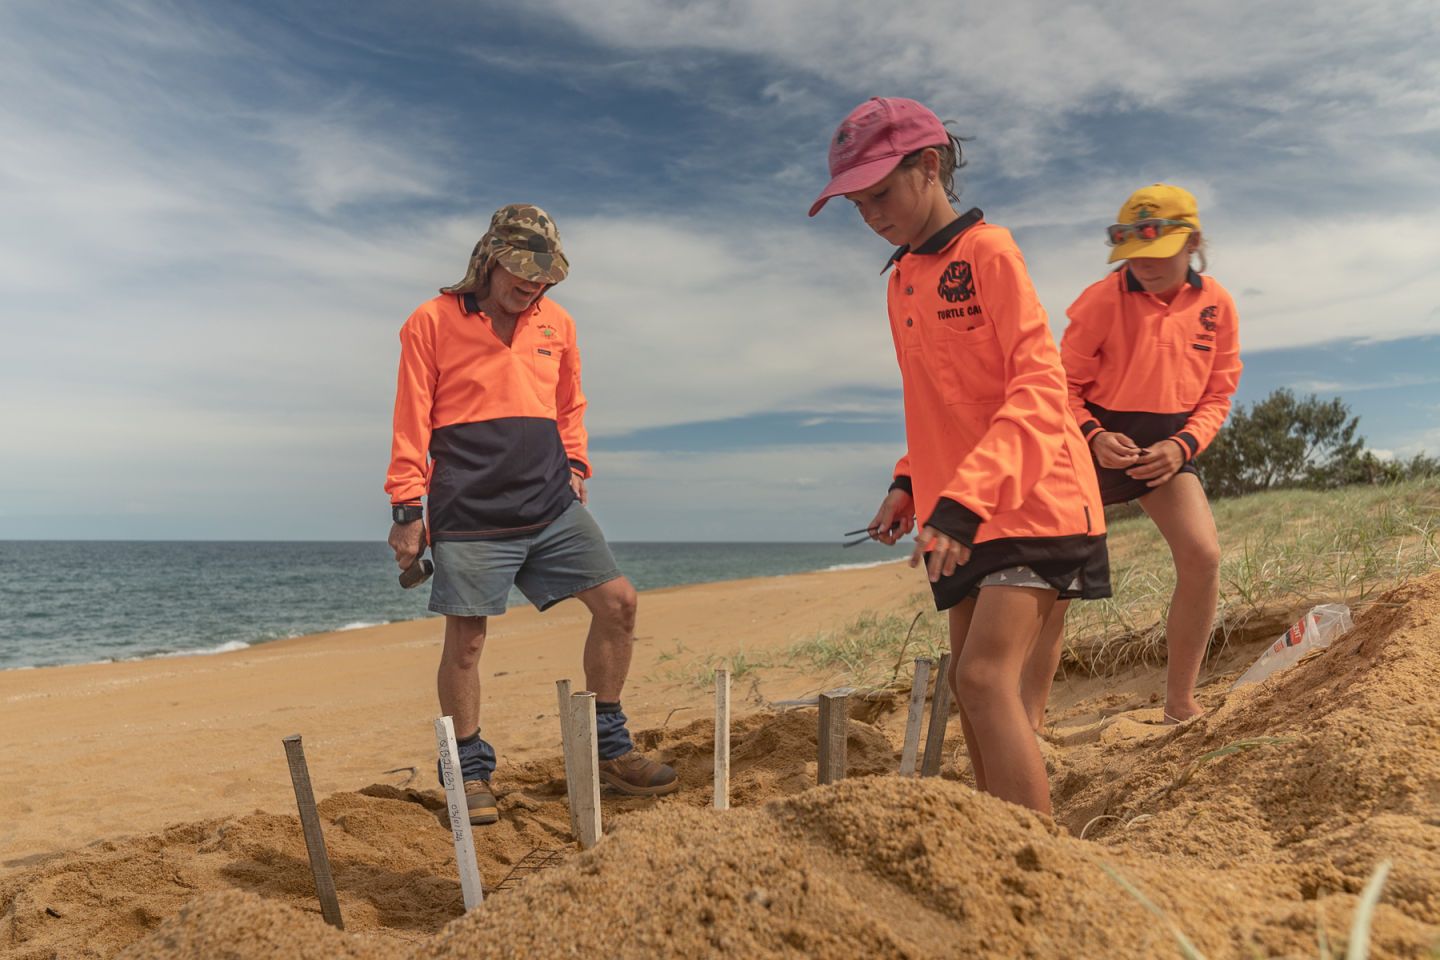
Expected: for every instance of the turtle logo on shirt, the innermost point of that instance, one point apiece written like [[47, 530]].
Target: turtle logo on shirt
[[956, 283], [1207, 318]]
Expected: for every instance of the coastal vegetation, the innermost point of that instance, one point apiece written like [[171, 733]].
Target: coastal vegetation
[[1283, 551]]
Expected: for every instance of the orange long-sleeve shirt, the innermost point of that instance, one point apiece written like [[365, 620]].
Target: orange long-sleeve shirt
[[489, 432], [993, 456], [1127, 351]]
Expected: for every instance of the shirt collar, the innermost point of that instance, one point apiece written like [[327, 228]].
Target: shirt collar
[[940, 239], [469, 303], [1191, 277]]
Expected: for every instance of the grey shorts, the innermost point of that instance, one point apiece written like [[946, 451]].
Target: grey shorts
[[567, 556]]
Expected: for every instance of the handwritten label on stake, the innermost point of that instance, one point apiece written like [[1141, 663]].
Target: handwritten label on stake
[[459, 813]]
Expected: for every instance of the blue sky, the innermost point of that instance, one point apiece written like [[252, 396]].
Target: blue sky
[[216, 217]]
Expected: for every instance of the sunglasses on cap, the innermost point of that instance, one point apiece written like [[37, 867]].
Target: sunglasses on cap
[[1151, 229]]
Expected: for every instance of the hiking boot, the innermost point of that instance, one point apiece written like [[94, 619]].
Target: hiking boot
[[635, 775], [481, 802]]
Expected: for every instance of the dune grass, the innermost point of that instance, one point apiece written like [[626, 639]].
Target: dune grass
[[1357, 947], [1281, 552]]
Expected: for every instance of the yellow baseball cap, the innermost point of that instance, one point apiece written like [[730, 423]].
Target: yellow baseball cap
[[1155, 222]]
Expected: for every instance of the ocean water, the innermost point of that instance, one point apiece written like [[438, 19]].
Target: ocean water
[[64, 602]]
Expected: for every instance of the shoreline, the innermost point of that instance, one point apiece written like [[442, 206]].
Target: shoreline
[[115, 748], [235, 645]]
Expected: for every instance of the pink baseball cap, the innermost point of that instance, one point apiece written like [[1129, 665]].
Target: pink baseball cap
[[872, 141]]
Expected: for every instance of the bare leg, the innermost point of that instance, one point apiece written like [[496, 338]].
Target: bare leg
[[960, 615], [1182, 513], [1003, 629], [458, 679], [611, 639], [1039, 672]]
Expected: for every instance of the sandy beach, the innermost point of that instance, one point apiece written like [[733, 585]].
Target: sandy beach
[[148, 810]]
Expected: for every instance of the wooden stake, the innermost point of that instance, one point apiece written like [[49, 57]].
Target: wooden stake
[[459, 813], [314, 839], [916, 715], [562, 694], [939, 718], [722, 739], [833, 714], [584, 787]]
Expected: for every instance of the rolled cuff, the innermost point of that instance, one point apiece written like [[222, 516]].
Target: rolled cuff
[[955, 520], [1188, 443]]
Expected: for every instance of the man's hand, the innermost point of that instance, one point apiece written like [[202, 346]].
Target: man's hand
[[945, 554], [408, 542], [577, 483], [1114, 451], [1159, 463], [894, 519]]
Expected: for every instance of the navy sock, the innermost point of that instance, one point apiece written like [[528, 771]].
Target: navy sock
[[611, 737], [477, 759]]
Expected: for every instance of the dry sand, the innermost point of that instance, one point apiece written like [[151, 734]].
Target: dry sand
[[129, 824]]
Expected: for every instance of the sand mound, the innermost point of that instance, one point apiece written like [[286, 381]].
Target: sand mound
[[231, 925], [1249, 828], [1325, 768]]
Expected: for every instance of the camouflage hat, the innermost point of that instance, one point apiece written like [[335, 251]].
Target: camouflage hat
[[523, 239]]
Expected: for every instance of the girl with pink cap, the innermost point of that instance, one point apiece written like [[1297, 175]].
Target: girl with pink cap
[[996, 473]]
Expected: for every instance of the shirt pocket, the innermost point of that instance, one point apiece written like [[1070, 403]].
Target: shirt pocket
[[1195, 367], [971, 364], [545, 369]]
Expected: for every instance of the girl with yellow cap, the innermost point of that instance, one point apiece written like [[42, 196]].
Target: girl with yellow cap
[[1152, 358]]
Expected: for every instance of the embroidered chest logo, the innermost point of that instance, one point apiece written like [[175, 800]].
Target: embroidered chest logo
[[956, 283], [1206, 334], [547, 331]]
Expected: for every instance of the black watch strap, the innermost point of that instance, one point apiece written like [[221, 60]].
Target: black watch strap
[[406, 512]]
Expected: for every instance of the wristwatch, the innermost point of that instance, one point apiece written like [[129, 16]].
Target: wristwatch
[[406, 512]]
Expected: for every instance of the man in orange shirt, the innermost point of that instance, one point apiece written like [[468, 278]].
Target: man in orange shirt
[[489, 428]]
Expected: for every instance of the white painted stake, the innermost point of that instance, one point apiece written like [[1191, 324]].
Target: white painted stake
[[916, 716], [459, 814], [584, 787], [939, 719], [722, 739], [562, 694]]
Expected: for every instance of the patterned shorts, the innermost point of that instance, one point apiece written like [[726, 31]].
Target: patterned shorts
[[1018, 577]]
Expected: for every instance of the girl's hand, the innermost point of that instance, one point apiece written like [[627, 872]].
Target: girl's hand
[[894, 519], [1114, 451], [945, 554], [1159, 463]]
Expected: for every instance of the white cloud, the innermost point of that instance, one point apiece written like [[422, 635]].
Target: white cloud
[[746, 494], [202, 286], [1015, 68], [680, 321]]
